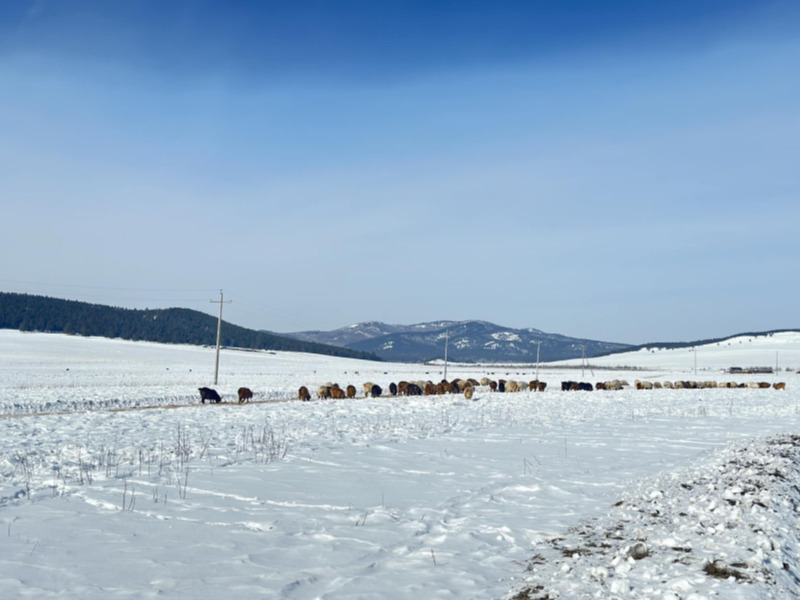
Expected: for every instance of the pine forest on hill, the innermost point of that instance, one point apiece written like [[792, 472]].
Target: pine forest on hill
[[172, 325]]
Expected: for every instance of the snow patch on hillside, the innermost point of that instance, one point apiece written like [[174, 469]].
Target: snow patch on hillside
[[506, 336]]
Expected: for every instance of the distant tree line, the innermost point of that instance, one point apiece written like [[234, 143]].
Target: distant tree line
[[170, 326]]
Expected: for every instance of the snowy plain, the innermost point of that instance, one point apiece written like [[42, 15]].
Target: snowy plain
[[115, 482]]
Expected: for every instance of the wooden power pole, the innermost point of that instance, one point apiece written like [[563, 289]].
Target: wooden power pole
[[219, 332], [446, 339]]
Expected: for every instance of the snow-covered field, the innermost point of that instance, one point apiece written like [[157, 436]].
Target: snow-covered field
[[115, 482], [779, 350]]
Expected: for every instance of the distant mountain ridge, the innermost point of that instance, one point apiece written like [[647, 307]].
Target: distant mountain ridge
[[169, 325], [467, 341]]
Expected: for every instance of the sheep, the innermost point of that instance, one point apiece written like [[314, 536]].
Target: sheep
[[413, 390], [209, 394], [448, 387], [576, 386], [459, 384]]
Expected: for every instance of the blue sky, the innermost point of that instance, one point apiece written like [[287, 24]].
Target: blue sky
[[623, 171]]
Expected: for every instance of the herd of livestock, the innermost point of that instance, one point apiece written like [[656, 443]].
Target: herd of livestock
[[618, 384], [468, 387], [422, 388]]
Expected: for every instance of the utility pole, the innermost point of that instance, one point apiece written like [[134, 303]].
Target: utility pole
[[538, 346], [219, 331], [446, 340], [583, 359]]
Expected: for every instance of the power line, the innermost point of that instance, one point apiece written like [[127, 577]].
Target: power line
[[105, 287], [263, 311]]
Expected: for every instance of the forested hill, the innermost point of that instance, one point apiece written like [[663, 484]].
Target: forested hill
[[171, 325]]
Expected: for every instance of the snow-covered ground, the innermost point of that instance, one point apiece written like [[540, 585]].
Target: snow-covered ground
[[115, 482], [776, 351]]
